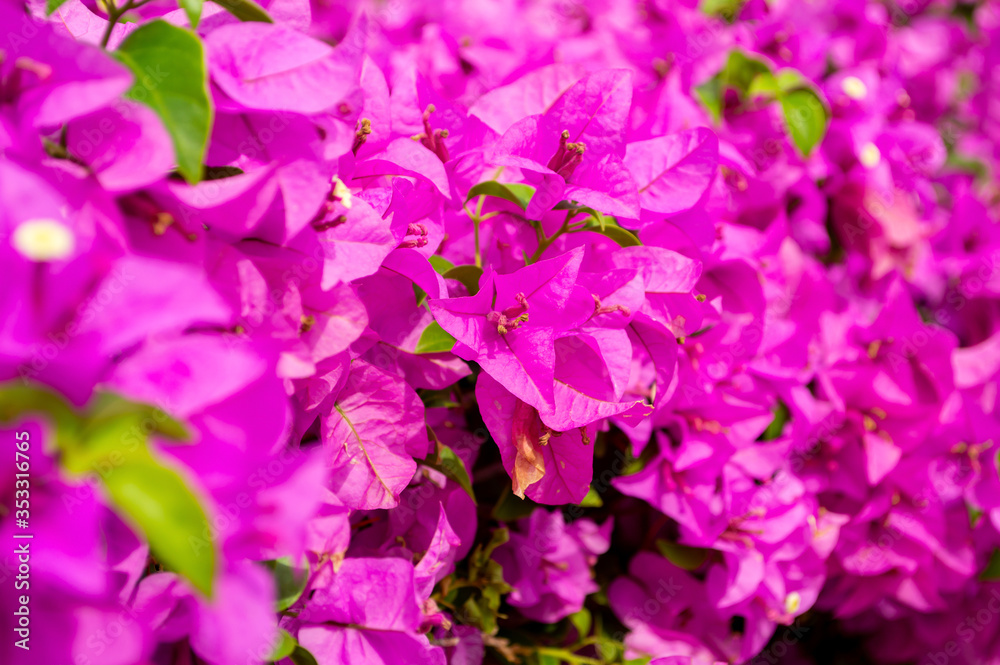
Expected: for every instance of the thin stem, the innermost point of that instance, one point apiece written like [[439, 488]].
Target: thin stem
[[476, 219], [545, 242], [586, 642], [475, 228], [566, 655], [115, 13]]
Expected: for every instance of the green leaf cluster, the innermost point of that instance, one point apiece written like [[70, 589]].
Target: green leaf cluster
[[474, 598], [110, 439], [805, 113]]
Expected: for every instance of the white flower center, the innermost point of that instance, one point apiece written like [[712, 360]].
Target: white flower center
[[870, 156], [792, 602], [43, 240], [854, 87]]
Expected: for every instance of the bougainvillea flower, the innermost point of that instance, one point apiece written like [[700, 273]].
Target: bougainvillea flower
[[548, 564], [576, 147], [371, 437], [673, 172], [275, 68], [509, 327], [499, 332], [339, 625], [48, 79], [546, 465]]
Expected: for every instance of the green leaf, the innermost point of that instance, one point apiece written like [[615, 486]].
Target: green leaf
[[115, 431], [739, 73], [419, 295], [17, 400], [573, 205], [609, 228], [107, 444], [633, 464], [52, 5], [437, 398], [741, 70], [111, 438], [728, 10], [434, 339], [609, 650], [764, 85], [291, 582], [451, 465], [510, 507], [467, 275], [482, 609], [492, 593], [592, 500], [781, 415], [498, 538], [286, 645], [710, 95], [221, 172], [805, 118], [245, 10], [441, 265], [599, 223], [581, 620], [789, 79], [966, 164], [171, 78], [107, 405], [493, 574], [474, 614], [158, 501], [516, 193], [992, 571], [302, 656], [975, 514], [193, 10], [682, 556]]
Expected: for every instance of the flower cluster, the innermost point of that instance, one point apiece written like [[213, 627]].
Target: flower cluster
[[513, 331]]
